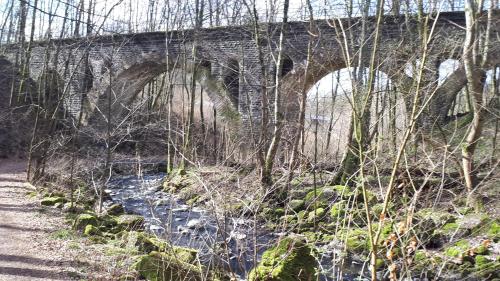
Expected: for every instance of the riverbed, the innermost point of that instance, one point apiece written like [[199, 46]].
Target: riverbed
[[233, 243]]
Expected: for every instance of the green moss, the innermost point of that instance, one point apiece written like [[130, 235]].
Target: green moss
[[290, 219], [316, 214], [83, 220], [297, 205], [494, 230], [51, 201], [480, 261], [458, 249], [343, 191], [420, 256], [165, 267], [177, 180], [91, 230], [115, 210], [302, 215], [290, 260], [145, 243], [185, 254], [450, 227], [338, 210], [191, 201], [387, 229], [379, 263], [130, 222], [297, 181], [31, 194], [321, 197], [356, 240], [64, 234], [485, 268], [439, 217], [278, 212], [481, 250]]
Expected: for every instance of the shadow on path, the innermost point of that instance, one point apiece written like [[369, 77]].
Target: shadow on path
[[36, 273], [8, 226], [4, 179], [33, 260]]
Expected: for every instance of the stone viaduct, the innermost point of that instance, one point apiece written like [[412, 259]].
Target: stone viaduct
[[228, 62]]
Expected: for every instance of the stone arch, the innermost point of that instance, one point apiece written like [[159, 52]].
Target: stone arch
[[128, 83], [286, 65], [341, 111], [231, 80]]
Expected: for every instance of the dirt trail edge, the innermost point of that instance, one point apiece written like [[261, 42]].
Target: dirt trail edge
[[34, 243]]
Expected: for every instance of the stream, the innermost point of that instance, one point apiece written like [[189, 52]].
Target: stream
[[201, 229]]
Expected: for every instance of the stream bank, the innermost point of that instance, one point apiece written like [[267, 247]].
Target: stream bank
[[205, 211]]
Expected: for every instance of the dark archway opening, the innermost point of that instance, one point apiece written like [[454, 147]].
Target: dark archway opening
[[287, 66], [232, 81]]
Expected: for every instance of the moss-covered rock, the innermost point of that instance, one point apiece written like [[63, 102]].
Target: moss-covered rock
[[438, 217], [91, 230], [297, 205], [177, 181], [472, 222], [130, 222], [356, 240], [343, 191], [458, 249], [485, 268], [321, 197], [143, 242], [278, 212], [290, 260], [299, 194], [185, 254], [158, 266], [297, 181], [115, 210], [494, 231], [83, 220], [316, 215], [338, 210], [51, 201]]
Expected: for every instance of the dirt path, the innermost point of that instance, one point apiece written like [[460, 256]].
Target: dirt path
[[21, 231], [33, 245]]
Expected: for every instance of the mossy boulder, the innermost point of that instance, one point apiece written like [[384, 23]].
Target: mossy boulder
[[343, 191], [297, 205], [338, 211], [298, 194], [158, 266], [52, 201], [177, 181], [290, 260], [356, 240], [297, 181], [91, 230], [82, 220], [458, 249], [316, 215], [494, 231], [143, 242], [472, 222], [485, 268], [185, 254], [438, 217], [109, 223], [321, 197], [130, 222], [115, 210]]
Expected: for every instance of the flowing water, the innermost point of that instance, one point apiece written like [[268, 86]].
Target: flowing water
[[231, 242]]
